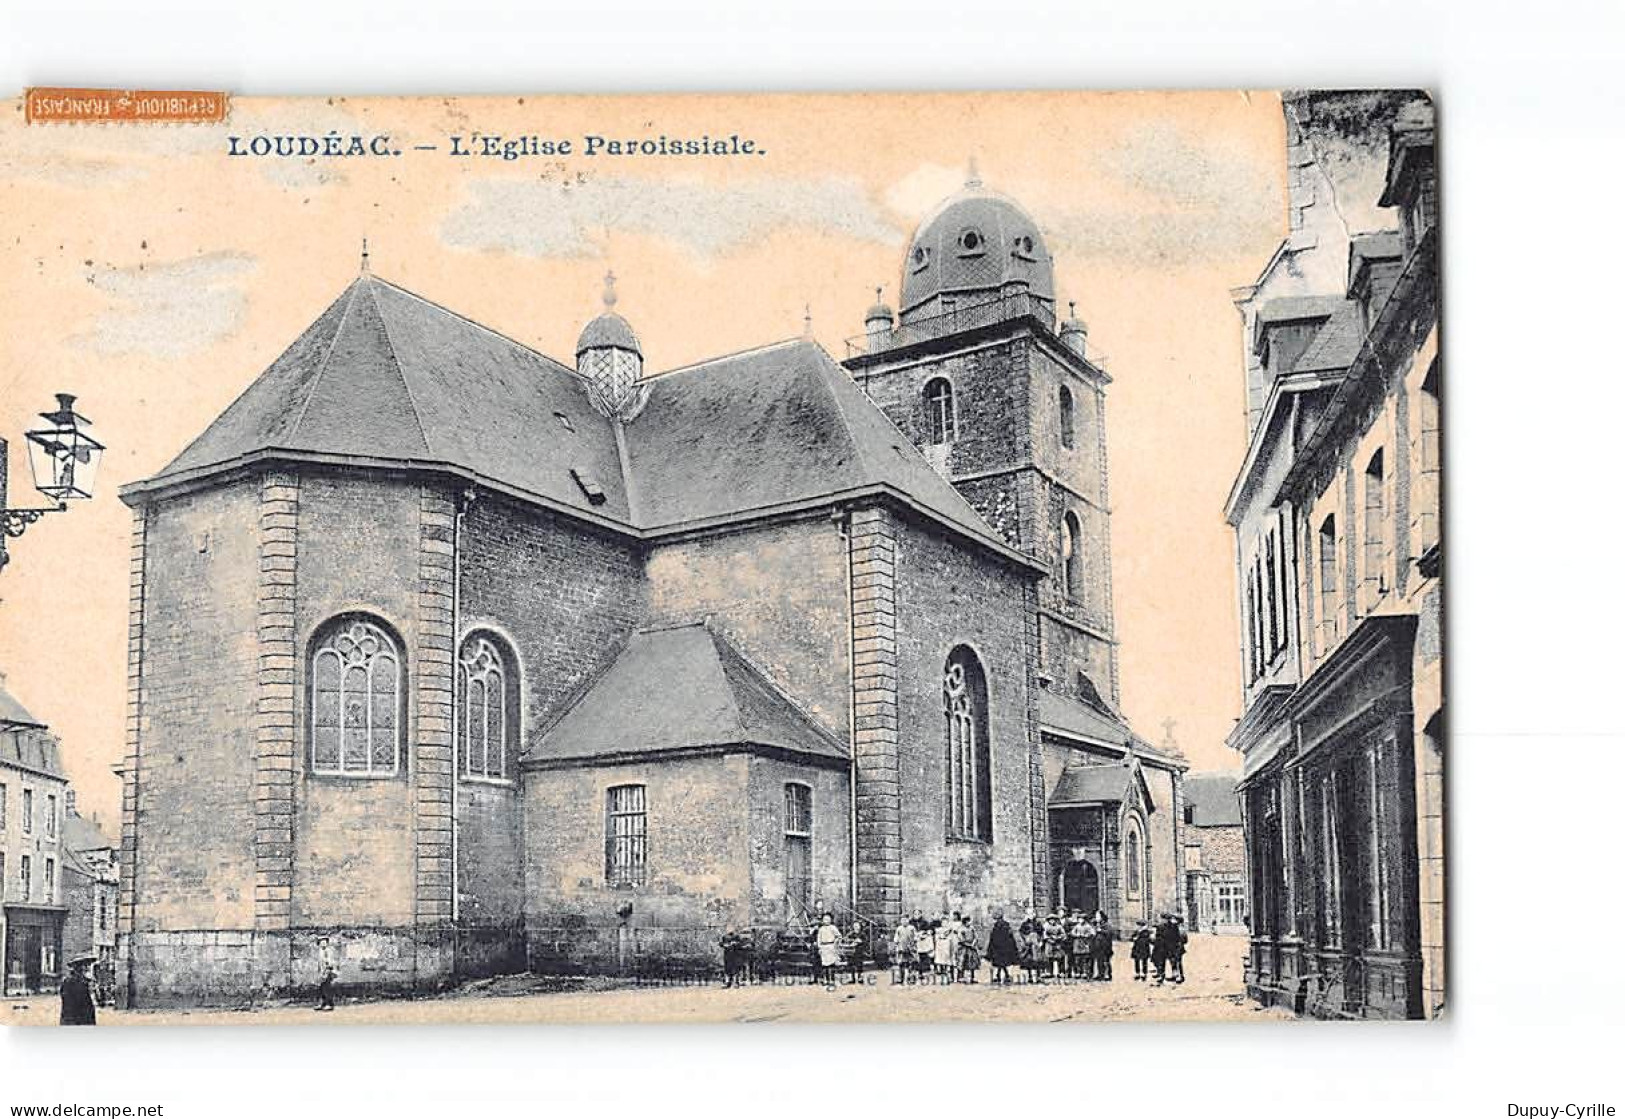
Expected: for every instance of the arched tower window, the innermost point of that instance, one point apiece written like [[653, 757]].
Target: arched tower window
[[941, 425], [1068, 411], [487, 709], [1072, 555], [357, 710], [969, 802]]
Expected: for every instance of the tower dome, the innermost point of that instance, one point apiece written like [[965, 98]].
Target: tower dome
[[610, 358], [976, 246]]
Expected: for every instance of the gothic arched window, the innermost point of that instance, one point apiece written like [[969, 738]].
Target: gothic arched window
[[1068, 419], [941, 425], [487, 708], [1072, 555], [969, 804], [1132, 882], [357, 711]]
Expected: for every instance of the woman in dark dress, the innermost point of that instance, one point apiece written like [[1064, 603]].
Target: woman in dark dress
[[1002, 950], [78, 1008]]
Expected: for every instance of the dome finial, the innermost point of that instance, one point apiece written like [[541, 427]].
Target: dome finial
[[973, 178], [366, 265], [609, 289], [806, 321], [1072, 308]]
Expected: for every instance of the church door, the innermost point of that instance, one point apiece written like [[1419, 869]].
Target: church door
[[1080, 886]]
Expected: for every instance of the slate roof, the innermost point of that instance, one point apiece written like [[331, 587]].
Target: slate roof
[[773, 426], [1293, 308], [81, 834], [12, 712], [678, 688], [32, 749], [1336, 344], [1213, 796], [1092, 784], [1058, 711], [385, 376]]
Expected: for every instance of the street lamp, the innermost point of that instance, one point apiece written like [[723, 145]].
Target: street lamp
[[63, 459]]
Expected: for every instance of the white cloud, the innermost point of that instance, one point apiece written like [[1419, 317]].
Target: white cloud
[[168, 309], [1186, 201], [572, 218]]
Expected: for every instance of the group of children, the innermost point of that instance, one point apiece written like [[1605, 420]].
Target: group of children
[[945, 949], [941, 949], [1066, 946]]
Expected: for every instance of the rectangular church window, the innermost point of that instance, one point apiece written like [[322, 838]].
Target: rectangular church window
[[798, 848], [626, 851]]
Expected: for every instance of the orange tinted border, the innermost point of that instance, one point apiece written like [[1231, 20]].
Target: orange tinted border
[[52, 105]]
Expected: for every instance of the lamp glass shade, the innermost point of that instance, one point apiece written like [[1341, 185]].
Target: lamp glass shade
[[63, 457]]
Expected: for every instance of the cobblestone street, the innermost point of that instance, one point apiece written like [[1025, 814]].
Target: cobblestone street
[[1213, 992]]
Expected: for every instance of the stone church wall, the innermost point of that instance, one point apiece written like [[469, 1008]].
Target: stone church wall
[[566, 599], [195, 797], [948, 595], [831, 838], [698, 829], [779, 593]]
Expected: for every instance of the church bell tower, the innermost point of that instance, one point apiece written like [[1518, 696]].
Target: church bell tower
[[1006, 403]]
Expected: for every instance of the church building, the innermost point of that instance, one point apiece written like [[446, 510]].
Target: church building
[[451, 659]]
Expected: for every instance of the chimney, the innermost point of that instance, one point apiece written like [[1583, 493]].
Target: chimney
[[72, 802]]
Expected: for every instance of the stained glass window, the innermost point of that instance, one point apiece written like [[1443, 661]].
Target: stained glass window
[[487, 729], [355, 700], [969, 808]]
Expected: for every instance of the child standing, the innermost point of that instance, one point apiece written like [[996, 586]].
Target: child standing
[[1141, 952], [1101, 951], [947, 949], [925, 948], [902, 951]]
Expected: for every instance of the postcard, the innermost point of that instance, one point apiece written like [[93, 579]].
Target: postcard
[[712, 558]]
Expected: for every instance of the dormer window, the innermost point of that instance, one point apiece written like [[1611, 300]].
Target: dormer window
[[564, 421], [920, 258], [972, 243], [1024, 247]]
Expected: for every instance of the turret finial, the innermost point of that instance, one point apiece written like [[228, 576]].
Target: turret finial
[[1072, 308], [973, 178], [806, 322], [609, 289], [366, 266]]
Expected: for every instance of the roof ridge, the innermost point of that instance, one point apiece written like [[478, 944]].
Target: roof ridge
[[321, 370], [441, 307], [727, 648], [864, 465], [701, 364], [395, 360]]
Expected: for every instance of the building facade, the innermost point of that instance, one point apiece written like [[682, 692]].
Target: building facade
[[1215, 856], [1336, 512], [33, 791], [466, 660], [90, 893]]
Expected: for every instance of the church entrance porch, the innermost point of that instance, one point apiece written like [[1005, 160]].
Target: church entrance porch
[[1078, 886]]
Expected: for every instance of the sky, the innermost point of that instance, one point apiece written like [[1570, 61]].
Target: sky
[[155, 275]]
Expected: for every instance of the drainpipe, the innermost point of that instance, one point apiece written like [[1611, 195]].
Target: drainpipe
[[843, 525], [464, 500]]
